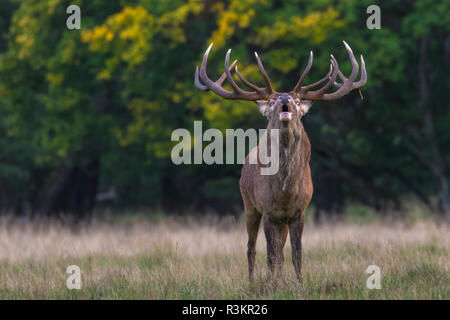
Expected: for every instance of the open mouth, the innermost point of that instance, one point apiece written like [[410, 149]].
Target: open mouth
[[285, 115]]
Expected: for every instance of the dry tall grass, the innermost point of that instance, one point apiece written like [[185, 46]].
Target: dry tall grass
[[175, 259]]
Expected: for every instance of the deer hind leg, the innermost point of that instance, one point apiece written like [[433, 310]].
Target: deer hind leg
[[253, 219], [276, 233], [295, 234]]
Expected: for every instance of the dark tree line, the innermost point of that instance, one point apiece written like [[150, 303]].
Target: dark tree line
[[86, 115]]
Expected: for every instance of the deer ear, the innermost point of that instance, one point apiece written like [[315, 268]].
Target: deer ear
[[263, 106], [304, 106]]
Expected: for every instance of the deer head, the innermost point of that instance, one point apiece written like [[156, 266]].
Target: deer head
[[284, 109]]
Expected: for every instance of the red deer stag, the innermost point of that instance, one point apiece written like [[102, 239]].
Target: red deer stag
[[280, 199]]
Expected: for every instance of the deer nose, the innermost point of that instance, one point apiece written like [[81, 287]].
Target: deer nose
[[284, 99]]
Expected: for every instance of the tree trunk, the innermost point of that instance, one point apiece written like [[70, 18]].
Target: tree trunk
[[329, 199], [4, 199], [438, 165], [444, 196], [72, 192], [49, 204]]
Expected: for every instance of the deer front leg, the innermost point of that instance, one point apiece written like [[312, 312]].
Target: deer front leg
[[275, 236], [295, 234], [253, 219]]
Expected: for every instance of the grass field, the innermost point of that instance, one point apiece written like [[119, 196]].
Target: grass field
[[206, 259]]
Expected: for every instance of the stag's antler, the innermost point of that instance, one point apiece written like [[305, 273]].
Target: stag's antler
[[258, 93], [237, 93], [344, 88]]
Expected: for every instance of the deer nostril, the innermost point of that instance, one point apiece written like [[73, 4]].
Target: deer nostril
[[285, 108]]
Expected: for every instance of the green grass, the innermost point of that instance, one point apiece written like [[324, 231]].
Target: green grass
[[195, 265]]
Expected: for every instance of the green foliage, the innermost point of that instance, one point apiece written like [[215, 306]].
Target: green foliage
[[116, 89]]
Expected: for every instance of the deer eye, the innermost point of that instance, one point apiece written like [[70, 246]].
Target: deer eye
[[271, 103], [297, 101]]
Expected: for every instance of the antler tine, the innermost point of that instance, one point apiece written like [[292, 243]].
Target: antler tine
[[345, 87], [298, 86], [264, 74], [355, 67], [203, 74], [197, 81], [246, 82], [363, 79], [340, 74], [315, 84], [230, 77]]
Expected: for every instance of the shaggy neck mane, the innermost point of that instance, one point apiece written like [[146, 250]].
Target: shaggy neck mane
[[294, 152]]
